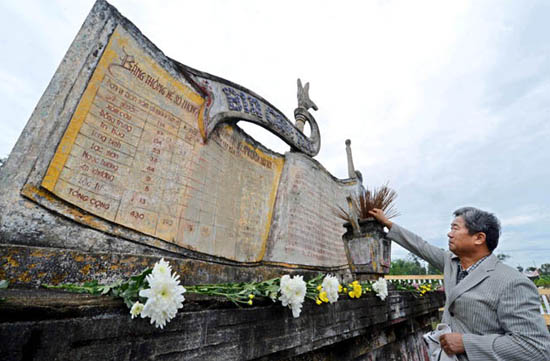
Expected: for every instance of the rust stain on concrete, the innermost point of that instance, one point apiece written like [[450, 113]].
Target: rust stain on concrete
[[86, 269]]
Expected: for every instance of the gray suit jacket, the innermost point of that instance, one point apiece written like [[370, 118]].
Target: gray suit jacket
[[495, 307]]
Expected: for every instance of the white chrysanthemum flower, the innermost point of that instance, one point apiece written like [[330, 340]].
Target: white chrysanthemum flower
[[284, 287], [136, 309], [165, 295], [162, 268], [293, 293], [381, 288], [296, 309], [331, 286]]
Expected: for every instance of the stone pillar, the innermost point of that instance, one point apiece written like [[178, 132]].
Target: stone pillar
[[351, 168]]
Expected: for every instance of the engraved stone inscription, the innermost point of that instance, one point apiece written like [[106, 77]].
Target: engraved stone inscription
[[310, 233], [133, 155]]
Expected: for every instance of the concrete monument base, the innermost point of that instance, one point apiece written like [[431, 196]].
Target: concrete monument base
[[55, 325]]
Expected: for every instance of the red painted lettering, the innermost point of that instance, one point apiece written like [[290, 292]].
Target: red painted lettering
[[117, 132], [99, 136], [137, 215], [111, 154], [114, 143], [89, 157], [109, 165], [96, 148], [76, 193], [99, 204], [103, 174]]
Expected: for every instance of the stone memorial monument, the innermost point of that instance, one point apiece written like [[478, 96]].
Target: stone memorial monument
[[131, 153], [131, 156]]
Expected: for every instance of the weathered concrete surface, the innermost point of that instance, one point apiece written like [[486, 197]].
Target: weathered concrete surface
[[305, 229], [48, 325], [26, 266], [369, 253], [398, 342], [24, 222], [228, 101], [213, 201]]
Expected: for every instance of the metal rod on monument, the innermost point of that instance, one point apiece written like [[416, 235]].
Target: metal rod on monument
[[351, 169]]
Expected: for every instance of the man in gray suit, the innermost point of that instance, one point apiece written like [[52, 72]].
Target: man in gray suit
[[492, 309]]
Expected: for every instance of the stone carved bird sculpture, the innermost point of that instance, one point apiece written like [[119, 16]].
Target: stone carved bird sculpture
[[303, 97]]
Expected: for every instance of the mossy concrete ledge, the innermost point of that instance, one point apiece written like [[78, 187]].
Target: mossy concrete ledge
[[42, 324]]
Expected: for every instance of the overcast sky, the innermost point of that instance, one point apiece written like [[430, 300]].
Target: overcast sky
[[448, 101]]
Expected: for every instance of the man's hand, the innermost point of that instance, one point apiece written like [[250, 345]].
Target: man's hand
[[381, 217], [452, 343]]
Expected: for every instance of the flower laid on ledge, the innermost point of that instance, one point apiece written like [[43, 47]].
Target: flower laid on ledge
[[164, 295], [136, 309], [425, 288], [293, 293], [156, 293], [330, 289], [356, 290], [381, 288], [419, 289]]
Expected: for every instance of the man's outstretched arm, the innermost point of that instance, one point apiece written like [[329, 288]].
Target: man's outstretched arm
[[410, 241]]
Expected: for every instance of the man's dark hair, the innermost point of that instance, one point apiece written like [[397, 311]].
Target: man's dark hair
[[477, 220]]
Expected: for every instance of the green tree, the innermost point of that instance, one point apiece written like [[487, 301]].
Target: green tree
[[433, 271], [409, 266], [545, 269], [503, 257]]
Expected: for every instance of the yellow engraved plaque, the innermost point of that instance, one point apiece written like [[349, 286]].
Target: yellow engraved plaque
[[132, 154]]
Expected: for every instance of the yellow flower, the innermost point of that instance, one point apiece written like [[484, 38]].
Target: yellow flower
[[323, 296], [339, 288], [250, 302], [357, 290], [345, 289], [318, 301], [319, 288], [251, 296]]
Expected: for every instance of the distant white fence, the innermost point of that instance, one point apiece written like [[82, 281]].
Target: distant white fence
[[544, 293], [410, 279]]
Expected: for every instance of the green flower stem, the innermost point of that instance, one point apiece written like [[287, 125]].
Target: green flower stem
[[238, 293]]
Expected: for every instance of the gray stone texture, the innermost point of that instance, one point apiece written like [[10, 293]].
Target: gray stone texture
[[305, 229], [48, 325]]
